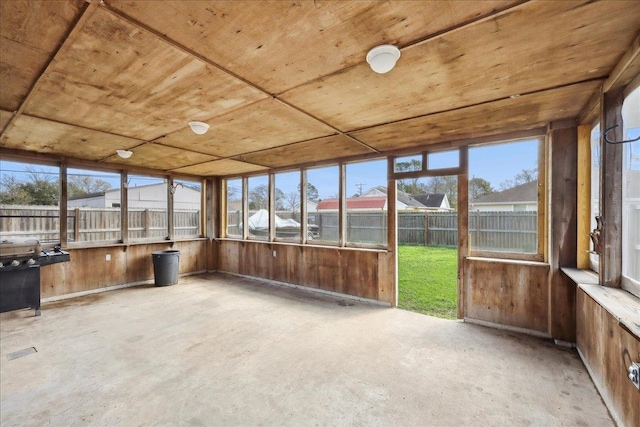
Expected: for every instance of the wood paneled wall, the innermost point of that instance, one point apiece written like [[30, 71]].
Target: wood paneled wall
[[608, 349], [89, 270], [361, 273], [510, 293]]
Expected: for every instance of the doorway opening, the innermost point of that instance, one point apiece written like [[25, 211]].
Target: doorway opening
[[428, 245]]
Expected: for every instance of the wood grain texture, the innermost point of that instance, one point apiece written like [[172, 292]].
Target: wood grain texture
[[607, 350], [265, 124], [120, 79], [329, 269], [495, 59], [583, 201], [24, 53], [317, 150], [158, 156], [524, 112], [279, 45], [563, 220], [5, 118], [45, 136], [512, 294], [220, 168], [88, 269]]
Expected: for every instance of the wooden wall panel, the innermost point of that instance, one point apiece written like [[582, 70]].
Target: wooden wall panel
[[89, 270], [608, 349], [563, 220], [347, 271], [508, 293]]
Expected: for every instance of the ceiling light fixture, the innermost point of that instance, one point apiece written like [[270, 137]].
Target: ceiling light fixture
[[383, 58], [199, 128], [125, 154]]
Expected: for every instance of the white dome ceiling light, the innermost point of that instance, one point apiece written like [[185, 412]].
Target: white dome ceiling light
[[383, 58], [125, 154], [199, 128]]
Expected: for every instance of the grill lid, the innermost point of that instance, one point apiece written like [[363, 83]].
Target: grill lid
[[16, 246]]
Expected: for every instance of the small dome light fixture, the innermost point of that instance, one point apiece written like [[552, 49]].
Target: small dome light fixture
[[383, 58], [125, 154], [199, 128]]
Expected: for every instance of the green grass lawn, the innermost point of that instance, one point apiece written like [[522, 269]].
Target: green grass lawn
[[428, 280]]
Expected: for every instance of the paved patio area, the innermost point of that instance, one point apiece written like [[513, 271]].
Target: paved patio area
[[223, 350]]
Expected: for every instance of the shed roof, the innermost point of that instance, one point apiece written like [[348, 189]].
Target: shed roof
[[527, 192]]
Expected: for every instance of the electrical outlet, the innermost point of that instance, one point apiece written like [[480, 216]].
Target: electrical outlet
[[107, 257], [274, 254], [634, 374]]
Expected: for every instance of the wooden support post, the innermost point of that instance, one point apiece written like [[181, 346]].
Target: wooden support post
[[584, 196], [170, 191], [245, 208], [64, 237], [611, 191], [124, 206], [388, 263], [463, 240], [562, 291], [76, 225], [342, 206], [304, 218], [272, 207]]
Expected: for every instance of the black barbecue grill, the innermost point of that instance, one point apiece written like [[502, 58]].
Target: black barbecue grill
[[20, 262]]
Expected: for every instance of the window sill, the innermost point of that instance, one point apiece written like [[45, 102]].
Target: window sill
[[307, 245], [94, 245], [581, 277], [508, 261]]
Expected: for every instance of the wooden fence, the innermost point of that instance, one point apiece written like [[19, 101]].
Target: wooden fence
[[94, 224], [489, 231]]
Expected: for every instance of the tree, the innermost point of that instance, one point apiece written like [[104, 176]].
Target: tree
[[444, 185], [410, 185], [38, 189], [291, 201], [259, 198], [312, 191], [83, 184], [479, 187], [522, 177]]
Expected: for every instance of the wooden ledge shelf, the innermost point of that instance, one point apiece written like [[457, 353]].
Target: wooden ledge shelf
[[581, 277], [619, 303]]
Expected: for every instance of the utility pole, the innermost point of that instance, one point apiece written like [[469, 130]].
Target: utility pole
[[359, 186]]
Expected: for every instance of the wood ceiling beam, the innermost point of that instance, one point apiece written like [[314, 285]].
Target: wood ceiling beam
[[73, 34], [201, 58], [478, 104], [626, 69]]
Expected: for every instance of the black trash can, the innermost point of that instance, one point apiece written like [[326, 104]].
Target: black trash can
[[165, 267]]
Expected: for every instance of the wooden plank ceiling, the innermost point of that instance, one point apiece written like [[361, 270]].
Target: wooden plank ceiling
[[286, 83]]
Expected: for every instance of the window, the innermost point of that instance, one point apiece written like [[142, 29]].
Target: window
[[147, 203], [323, 203], [234, 207], [187, 203], [504, 176], [367, 202], [259, 207], [30, 201], [93, 206], [631, 194], [288, 220], [443, 159], [594, 259]]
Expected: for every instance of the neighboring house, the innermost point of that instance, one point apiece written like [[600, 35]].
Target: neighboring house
[[437, 201], [152, 196], [376, 199], [523, 197]]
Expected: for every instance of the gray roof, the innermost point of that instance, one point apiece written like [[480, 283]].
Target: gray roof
[[527, 192], [403, 197], [430, 200]]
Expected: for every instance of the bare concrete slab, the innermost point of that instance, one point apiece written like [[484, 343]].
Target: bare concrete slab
[[222, 350]]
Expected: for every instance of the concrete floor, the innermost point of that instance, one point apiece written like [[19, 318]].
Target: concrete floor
[[222, 350]]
